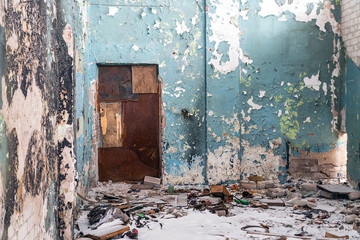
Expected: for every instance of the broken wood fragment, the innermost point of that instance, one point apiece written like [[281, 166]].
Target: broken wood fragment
[[282, 236], [109, 233]]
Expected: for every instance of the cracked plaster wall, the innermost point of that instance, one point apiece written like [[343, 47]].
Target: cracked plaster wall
[[257, 76], [350, 26], [36, 154]]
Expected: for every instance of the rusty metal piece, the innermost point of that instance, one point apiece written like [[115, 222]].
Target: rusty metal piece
[[141, 120]]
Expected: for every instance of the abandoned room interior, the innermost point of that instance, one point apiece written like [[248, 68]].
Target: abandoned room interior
[[246, 110]]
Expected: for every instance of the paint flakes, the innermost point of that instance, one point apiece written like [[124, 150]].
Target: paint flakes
[[135, 47], [224, 29], [299, 8], [307, 120], [253, 106], [181, 28], [313, 82], [262, 94], [112, 11]]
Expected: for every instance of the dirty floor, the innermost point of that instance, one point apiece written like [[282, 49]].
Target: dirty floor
[[280, 212]]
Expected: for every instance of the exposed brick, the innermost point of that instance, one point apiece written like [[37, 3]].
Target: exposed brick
[[350, 28]]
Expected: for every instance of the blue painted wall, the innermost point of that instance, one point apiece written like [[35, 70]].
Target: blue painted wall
[[255, 75], [352, 106]]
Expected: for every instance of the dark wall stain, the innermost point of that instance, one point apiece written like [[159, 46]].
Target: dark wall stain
[[31, 46], [29, 23], [36, 168], [11, 183], [64, 78]]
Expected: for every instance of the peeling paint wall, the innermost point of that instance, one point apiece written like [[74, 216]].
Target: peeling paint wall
[[350, 31], [257, 77], [281, 82], [166, 33], [37, 164]]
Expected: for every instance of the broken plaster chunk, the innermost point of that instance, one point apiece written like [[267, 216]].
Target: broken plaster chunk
[[265, 185], [276, 192], [298, 202], [309, 187], [248, 184], [152, 181], [354, 195], [212, 200], [325, 194], [350, 219]]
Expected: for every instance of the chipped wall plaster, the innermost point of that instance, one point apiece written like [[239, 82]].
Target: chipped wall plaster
[[36, 113], [251, 71]]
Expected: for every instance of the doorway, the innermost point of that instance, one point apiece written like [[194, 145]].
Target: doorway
[[128, 106]]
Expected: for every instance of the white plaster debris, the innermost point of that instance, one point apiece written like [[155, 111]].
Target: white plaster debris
[[313, 82], [181, 27], [299, 9], [224, 29], [112, 11], [253, 105], [307, 120]]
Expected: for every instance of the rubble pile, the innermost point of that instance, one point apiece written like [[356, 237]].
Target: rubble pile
[[256, 209]]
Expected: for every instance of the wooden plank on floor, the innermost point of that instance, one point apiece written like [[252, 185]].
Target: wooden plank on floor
[[109, 233]]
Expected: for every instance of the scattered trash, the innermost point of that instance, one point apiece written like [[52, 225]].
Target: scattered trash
[[111, 213]]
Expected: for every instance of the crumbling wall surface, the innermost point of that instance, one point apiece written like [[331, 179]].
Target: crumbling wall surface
[[36, 83], [84, 106], [350, 31], [257, 77], [272, 71], [3, 144], [170, 34]]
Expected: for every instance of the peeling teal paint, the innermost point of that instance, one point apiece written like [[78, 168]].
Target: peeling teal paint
[[3, 143], [269, 80], [352, 106]]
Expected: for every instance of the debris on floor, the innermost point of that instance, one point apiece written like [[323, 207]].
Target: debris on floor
[[252, 209]]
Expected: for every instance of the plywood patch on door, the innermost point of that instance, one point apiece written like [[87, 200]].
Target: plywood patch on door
[[144, 79], [111, 124]]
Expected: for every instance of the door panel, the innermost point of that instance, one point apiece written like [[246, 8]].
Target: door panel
[[130, 129]]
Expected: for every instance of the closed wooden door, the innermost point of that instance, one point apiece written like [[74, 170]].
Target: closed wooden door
[[128, 103]]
